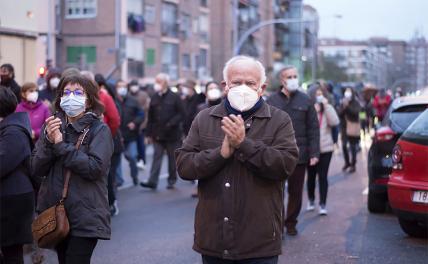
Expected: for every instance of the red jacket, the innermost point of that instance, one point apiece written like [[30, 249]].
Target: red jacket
[[381, 105], [111, 115]]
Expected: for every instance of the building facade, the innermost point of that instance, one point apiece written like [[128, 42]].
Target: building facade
[[230, 19], [25, 37], [135, 39]]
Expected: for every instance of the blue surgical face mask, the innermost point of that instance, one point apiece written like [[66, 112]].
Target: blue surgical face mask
[[73, 105]]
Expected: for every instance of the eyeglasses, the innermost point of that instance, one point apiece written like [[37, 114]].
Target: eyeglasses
[[75, 92]]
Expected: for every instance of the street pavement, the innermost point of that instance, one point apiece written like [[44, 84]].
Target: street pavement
[[156, 227]]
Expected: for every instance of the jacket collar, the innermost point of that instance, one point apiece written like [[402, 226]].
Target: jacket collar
[[86, 120], [220, 111]]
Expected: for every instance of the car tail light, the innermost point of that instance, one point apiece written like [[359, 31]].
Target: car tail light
[[384, 134], [397, 156]]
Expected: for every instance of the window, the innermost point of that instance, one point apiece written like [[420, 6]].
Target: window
[[170, 59], [185, 25], [150, 14], [186, 61], [81, 54], [418, 130], [135, 7], [150, 57], [80, 8], [203, 27], [135, 68], [204, 3], [169, 20], [134, 48], [202, 63]]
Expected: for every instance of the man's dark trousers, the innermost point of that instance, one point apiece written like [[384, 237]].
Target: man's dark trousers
[[295, 192], [213, 260], [159, 148]]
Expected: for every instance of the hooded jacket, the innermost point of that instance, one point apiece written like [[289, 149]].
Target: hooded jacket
[[86, 204]]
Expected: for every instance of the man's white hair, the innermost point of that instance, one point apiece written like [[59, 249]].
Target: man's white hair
[[163, 76], [241, 59]]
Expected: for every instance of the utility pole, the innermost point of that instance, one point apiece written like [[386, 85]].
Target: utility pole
[[235, 6]]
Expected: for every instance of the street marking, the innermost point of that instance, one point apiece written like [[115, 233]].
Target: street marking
[[366, 191]]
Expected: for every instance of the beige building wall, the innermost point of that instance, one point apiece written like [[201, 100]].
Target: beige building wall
[[23, 41]]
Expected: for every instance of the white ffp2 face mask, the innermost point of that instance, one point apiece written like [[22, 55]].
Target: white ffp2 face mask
[[242, 97], [32, 96], [292, 84]]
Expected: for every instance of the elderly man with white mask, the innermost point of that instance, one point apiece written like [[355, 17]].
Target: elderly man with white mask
[[241, 151]]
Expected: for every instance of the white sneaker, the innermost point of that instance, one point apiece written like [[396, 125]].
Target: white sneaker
[[141, 165], [323, 211], [311, 206]]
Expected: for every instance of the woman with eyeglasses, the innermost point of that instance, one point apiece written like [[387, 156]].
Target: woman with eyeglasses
[[78, 111]]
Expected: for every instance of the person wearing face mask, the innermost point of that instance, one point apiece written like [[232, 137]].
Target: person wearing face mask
[[328, 119], [241, 151], [48, 94], [36, 110], [301, 110], [143, 100], [381, 104], [132, 115], [7, 79], [349, 111], [191, 102], [164, 130], [78, 116]]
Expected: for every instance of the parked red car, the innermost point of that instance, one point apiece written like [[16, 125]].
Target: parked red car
[[408, 183]]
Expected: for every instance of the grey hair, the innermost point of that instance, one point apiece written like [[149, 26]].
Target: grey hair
[[235, 59], [163, 76], [88, 75], [286, 68]]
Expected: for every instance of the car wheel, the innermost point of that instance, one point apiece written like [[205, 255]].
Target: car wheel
[[376, 203], [413, 228]]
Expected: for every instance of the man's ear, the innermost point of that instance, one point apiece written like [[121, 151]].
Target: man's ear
[[223, 84]]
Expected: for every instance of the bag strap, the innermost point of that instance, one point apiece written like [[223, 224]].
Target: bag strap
[[68, 172]]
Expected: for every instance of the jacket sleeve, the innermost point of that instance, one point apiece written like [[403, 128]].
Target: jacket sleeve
[[312, 125], [276, 161], [112, 114], [331, 115], [179, 115], [13, 150], [42, 157], [194, 164], [95, 162], [149, 127], [46, 114]]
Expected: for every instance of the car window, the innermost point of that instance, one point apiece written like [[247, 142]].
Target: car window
[[419, 128], [402, 117]]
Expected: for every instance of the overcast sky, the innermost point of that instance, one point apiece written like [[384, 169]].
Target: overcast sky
[[361, 19]]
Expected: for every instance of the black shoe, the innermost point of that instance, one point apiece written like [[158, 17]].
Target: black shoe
[[292, 231], [148, 185], [352, 169], [170, 186], [345, 167], [195, 194]]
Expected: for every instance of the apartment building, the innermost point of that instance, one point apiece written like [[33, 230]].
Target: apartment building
[[135, 39]]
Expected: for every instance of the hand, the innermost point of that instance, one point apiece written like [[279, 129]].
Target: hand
[[131, 126], [313, 161], [226, 150], [317, 107], [53, 126], [33, 134], [234, 128]]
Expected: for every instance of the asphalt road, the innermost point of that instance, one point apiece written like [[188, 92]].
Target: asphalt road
[[156, 227]]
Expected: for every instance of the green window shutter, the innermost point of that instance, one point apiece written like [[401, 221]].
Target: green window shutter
[[74, 54], [150, 57]]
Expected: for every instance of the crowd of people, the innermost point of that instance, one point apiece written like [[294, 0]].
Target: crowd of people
[[230, 134]]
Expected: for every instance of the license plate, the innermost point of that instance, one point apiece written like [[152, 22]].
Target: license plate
[[420, 197]]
